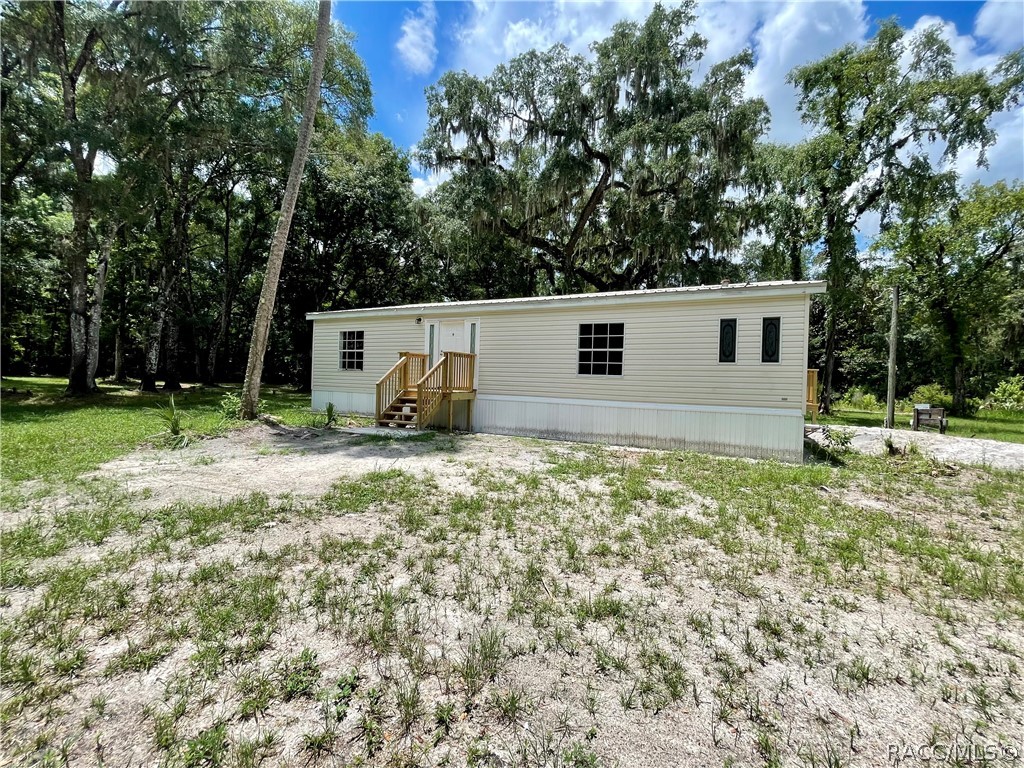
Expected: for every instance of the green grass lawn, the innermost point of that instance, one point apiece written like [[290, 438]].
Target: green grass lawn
[[47, 436], [992, 425]]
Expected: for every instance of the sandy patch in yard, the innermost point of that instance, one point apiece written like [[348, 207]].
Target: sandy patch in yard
[[284, 461], [958, 450], [671, 620]]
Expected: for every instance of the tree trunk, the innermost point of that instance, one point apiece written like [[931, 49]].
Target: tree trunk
[[172, 374], [840, 245], [227, 297], [825, 405], [156, 330], [222, 334], [96, 311], [796, 261], [265, 309], [83, 161], [955, 355], [119, 375], [78, 319]]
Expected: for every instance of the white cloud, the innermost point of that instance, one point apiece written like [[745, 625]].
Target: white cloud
[[497, 31], [1001, 22], [424, 185], [793, 34], [417, 47]]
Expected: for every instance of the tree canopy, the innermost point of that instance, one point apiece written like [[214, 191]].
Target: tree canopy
[[146, 147], [614, 171]]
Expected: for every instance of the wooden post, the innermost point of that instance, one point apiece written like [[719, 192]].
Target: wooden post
[[890, 396], [469, 414], [451, 403]]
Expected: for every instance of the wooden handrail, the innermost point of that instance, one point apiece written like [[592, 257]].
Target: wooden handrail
[[391, 386], [415, 368], [462, 366], [430, 391]]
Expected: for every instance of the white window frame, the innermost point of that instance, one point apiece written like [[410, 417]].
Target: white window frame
[[342, 349]]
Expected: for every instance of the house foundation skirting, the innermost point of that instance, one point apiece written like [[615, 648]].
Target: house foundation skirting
[[758, 433], [753, 432]]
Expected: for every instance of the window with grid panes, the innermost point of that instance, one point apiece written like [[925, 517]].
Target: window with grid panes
[[350, 350], [599, 351]]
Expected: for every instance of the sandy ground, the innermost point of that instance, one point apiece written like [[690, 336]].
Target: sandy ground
[[282, 461], [717, 643], [958, 450]]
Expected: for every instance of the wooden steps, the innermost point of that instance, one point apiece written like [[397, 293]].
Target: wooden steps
[[412, 392], [401, 413]]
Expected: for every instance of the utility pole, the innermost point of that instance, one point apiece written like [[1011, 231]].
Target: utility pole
[[890, 397]]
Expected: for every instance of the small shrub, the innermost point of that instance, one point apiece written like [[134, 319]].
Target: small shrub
[[230, 405], [837, 440], [299, 675], [857, 399], [208, 748], [1008, 394], [172, 432], [444, 715], [933, 394], [338, 699]]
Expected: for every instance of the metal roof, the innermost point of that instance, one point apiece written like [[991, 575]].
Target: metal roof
[[773, 286]]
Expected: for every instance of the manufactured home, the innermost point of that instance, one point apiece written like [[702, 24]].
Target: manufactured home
[[719, 368]]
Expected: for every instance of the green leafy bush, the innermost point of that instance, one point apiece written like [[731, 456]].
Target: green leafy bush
[[230, 404], [933, 394], [330, 416], [837, 440], [857, 399], [1008, 394]]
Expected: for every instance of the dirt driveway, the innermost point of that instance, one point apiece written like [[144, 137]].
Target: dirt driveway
[[958, 450]]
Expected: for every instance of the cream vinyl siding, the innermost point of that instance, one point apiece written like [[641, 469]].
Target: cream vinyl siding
[[383, 339], [670, 355]]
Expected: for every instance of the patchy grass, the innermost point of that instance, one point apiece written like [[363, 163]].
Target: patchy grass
[[991, 425], [482, 601], [47, 436]]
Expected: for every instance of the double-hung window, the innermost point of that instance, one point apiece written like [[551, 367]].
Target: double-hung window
[[599, 350], [350, 350]]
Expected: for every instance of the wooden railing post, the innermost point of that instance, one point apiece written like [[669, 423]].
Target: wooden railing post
[[812, 394]]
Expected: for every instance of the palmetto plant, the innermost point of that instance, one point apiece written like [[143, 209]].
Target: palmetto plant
[[172, 433], [330, 415]]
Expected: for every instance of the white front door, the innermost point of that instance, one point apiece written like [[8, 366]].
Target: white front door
[[453, 336]]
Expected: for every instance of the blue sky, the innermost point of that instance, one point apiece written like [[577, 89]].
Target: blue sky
[[408, 45]]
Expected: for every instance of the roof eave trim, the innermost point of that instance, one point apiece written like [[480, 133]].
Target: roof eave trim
[[489, 306]]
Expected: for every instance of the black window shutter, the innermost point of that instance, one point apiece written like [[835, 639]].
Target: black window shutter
[[771, 339], [727, 341]]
